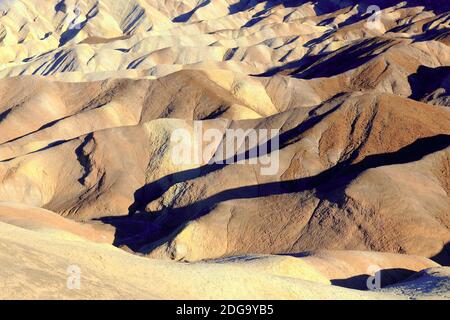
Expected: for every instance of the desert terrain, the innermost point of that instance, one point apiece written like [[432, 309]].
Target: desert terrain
[[99, 100]]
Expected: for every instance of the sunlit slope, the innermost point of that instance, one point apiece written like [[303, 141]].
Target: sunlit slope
[[37, 264], [129, 38]]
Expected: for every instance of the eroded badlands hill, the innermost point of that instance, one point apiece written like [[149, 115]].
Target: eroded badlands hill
[[35, 262], [92, 93]]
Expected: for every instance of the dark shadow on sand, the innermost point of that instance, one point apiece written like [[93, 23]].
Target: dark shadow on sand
[[387, 277]]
